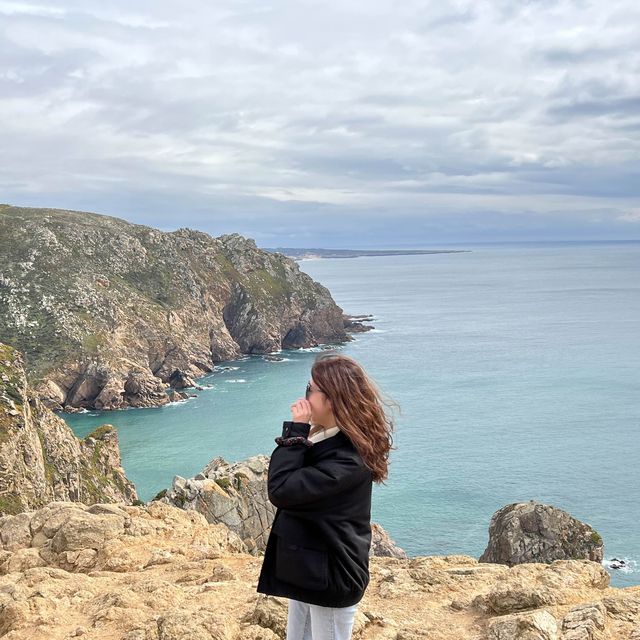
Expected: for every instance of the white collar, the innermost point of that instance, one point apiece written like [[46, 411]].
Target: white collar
[[323, 435]]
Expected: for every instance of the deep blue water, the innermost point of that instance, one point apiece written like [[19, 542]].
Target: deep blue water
[[517, 369]]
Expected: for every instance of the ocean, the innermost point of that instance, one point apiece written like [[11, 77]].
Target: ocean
[[517, 370]]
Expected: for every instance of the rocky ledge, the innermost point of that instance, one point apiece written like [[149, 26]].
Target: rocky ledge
[[158, 572]]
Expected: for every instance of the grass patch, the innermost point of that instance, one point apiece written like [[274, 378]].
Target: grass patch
[[10, 504]]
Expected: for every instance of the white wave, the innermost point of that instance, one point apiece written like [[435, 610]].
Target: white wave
[[175, 403], [630, 565], [236, 380], [322, 347]]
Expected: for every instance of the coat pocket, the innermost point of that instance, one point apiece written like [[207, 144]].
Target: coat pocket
[[301, 566]]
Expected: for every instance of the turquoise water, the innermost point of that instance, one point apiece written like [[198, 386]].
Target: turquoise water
[[517, 368]]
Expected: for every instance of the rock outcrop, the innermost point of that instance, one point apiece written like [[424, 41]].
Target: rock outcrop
[[235, 494], [383, 545], [109, 313], [40, 457], [157, 572], [536, 532]]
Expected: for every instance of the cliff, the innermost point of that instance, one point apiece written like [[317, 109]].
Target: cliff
[[157, 572], [42, 460], [109, 313]]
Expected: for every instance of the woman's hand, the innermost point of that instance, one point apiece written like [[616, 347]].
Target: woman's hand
[[301, 410]]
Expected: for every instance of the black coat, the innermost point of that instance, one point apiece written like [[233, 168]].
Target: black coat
[[318, 546]]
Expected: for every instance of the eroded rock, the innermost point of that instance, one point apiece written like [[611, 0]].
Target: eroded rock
[[40, 457], [153, 572], [536, 532]]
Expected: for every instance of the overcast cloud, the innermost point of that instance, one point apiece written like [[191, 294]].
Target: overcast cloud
[[328, 124]]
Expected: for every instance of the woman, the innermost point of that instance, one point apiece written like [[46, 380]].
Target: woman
[[320, 481]]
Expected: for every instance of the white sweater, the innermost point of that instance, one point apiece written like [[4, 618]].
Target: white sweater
[[323, 435]]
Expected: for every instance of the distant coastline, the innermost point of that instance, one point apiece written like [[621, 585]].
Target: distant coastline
[[318, 254]]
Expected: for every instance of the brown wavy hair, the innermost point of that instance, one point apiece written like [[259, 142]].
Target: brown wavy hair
[[357, 404]]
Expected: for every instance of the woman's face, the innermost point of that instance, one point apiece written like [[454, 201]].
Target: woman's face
[[320, 404]]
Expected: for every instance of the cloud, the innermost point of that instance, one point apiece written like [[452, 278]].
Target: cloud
[[633, 215], [269, 116]]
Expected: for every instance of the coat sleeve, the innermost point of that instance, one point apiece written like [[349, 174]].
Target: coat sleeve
[[291, 485]]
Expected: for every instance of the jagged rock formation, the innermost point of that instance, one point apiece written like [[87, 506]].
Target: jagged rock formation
[[157, 572], [231, 494], [106, 311], [42, 460], [536, 532], [235, 494], [383, 545]]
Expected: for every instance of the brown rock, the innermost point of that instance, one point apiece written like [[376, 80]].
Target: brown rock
[[156, 571], [535, 532], [531, 586], [383, 545], [584, 622], [539, 625], [40, 457]]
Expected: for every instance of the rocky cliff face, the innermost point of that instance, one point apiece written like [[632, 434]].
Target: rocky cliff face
[[41, 459], [107, 312], [157, 572]]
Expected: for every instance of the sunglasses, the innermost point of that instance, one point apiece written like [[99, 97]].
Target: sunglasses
[[309, 390]]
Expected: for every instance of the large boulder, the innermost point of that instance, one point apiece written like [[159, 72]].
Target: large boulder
[[536, 532]]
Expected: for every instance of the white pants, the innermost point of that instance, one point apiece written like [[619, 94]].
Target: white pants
[[312, 622]]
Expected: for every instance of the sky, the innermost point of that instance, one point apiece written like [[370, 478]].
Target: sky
[[350, 124]]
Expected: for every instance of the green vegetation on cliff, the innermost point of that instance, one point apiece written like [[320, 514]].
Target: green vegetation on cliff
[[90, 299]]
